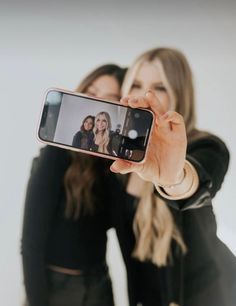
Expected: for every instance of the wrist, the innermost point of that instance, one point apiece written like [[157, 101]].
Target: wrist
[[179, 181], [185, 188]]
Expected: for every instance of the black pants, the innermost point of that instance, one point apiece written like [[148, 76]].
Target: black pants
[[93, 289], [89, 289]]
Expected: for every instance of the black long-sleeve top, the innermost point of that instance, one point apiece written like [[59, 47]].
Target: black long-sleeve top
[[208, 269], [206, 275], [48, 236], [83, 140]]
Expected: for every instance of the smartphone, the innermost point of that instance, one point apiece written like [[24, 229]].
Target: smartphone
[[94, 126]]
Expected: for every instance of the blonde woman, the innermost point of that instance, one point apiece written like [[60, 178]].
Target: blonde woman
[[179, 258], [102, 130]]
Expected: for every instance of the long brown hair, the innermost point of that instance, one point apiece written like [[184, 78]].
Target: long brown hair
[[154, 225], [84, 170], [86, 118]]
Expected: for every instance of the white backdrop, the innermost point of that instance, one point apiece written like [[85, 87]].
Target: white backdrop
[[56, 43]]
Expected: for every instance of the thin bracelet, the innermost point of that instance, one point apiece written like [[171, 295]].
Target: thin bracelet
[[176, 184], [194, 183]]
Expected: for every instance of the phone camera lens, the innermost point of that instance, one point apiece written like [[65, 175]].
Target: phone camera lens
[[136, 115]]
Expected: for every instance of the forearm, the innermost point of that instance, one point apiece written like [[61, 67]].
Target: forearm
[[40, 206], [35, 280], [210, 158]]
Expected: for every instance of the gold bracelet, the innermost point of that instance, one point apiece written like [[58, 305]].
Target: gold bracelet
[[176, 184], [192, 188]]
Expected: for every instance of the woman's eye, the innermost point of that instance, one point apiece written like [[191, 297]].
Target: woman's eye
[[160, 88], [135, 86]]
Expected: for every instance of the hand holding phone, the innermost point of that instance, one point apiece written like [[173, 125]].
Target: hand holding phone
[[94, 126], [165, 158]]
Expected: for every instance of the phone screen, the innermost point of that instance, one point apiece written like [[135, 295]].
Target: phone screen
[[88, 124]]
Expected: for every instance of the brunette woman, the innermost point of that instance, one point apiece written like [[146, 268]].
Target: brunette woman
[[83, 139], [66, 218]]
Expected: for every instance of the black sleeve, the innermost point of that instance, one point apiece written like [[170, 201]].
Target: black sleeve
[[210, 157], [77, 140], [40, 204]]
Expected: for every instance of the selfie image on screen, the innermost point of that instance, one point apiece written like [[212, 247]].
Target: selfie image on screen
[[91, 125]]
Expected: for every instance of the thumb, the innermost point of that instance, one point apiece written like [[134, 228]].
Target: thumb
[[121, 166]]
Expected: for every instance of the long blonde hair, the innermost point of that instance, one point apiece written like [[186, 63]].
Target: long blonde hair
[[105, 137], [154, 226]]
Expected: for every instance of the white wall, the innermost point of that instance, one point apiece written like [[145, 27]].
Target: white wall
[[53, 43]]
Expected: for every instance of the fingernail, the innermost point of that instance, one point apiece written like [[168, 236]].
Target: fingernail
[[113, 170]]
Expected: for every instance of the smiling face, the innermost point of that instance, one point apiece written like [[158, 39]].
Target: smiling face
[[151, 75], [101, 123], [105, 87], [88, 124]]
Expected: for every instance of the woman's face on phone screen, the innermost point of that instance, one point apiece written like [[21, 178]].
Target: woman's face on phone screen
[[88, 124], [105, 87], [101, 123], [150, 75]]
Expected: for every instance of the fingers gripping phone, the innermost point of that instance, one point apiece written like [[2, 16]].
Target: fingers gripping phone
[[94, 126]]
